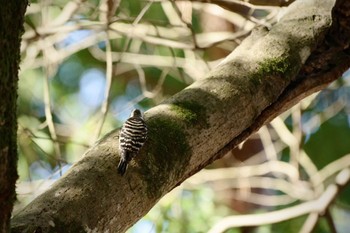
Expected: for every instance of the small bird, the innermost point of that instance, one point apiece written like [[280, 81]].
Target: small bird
[[132, 137]]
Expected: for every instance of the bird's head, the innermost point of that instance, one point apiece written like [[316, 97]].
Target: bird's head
[[136, 113]]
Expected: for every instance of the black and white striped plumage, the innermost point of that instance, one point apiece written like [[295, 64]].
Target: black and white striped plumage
[[132, 137]]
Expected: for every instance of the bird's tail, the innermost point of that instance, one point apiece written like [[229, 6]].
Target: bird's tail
[[126, 156], [123, 164]]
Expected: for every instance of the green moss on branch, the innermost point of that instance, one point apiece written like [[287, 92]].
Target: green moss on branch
[[191, 112], [168, 152], [274, 66]]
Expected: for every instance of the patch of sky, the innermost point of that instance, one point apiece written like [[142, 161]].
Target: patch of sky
[[335, 93], [59, 171], [38, 107], [102, 44], [42, 170], [133, 89], [74, 37], [144, 226], [343, 94], [329, 97], [121, 108], [310, 124], [324, 99], [69, 72], [123, 105], [311, 120], [92, 85], [186, 194], [346, 77]]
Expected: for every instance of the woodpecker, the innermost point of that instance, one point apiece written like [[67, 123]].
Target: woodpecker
[[132, 137]]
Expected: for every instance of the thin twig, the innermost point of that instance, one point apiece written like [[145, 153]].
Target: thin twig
[[109, 74], [268, 145], [142, 79], [31, 134], [47, 96], [331, 169], [309, 223], [330, 221], [297, 134]]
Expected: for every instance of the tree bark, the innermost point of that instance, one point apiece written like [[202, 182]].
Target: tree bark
[[11, 28], [268, 73]]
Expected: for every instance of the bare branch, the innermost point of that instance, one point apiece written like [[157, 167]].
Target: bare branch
[[318, 206]]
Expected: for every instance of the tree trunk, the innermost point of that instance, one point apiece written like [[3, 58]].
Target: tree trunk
[[268, 73], [11, 29]]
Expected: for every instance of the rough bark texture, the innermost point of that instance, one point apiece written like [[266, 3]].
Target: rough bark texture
[[11, 28], [266, 74]]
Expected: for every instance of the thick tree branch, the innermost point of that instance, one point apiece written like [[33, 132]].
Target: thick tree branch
[[326, 63], [263, 77]]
